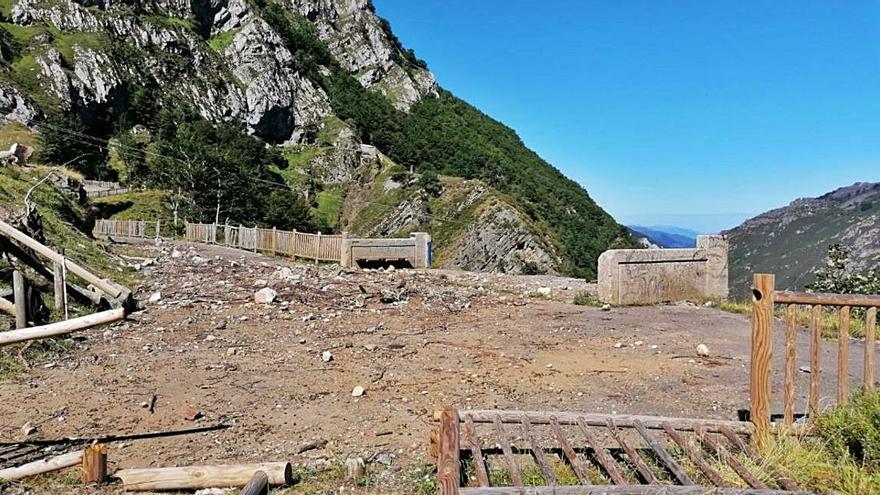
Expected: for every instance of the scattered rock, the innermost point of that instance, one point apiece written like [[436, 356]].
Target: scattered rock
[[702, 350], [155, 297], [265, 296], [326, 356], [384, 459], [232, 351], [710, 304], [192, 413], [358, 391], [606, 307]]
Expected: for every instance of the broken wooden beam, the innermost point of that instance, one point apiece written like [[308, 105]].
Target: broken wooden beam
[[62, 327], [258, 485], [42, 466], [108, 288], [18, 290], [200, 477], [94, 464]]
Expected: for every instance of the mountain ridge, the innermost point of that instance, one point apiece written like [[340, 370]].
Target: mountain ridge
[[318, 79], [792, 241]]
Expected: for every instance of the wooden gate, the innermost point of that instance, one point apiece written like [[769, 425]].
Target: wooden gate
[[600, 453]]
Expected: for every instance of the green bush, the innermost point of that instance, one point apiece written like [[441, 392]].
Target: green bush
[[585, 298], [853, 430]]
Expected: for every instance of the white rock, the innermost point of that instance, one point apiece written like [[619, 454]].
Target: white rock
[[265, 296], [358, 391], [702, 350], [176, 254], [155, 297], [326, 356], [606, 307]]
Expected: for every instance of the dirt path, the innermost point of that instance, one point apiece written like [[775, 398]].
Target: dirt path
[[415, 341]]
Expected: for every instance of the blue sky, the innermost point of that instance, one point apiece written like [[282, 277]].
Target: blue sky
[[698, 113]]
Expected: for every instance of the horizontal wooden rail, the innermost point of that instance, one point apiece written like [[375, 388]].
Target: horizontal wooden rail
[[857, 300], [62, 327], [620, 490], [621, 420]]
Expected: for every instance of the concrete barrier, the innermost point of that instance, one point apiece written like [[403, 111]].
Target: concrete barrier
[[416, 250], [651, 276]]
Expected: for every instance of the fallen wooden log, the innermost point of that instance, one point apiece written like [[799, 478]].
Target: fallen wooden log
[[258, 485], [199, 477], [62, 327], [42, 466], [116, 438]]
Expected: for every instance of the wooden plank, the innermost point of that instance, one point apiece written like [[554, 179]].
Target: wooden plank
[[843, 356], [815, 370], [470, 433], [870, 337], [569, 452], [60, 289], [695, 456], [602, 456], [623, 490], [20, 295], [663, 455], [538, 452], [858, 300], [632, 454], [504, 440], [730, 460], [790, 336], [621, 420], [762, 350], [448, 464], [782, 480]]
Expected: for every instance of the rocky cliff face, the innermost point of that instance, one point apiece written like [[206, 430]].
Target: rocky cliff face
[[218, 55], [792, 241]]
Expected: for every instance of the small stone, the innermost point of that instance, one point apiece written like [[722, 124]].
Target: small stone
[[176, 254], [210, 338], [370, 347], [155, 297], [618, 345], [220, 325], [28, 429], [702, 350], [326, 356], [384, 459], [358, 391], [191, 413], [265, 296], [232, 351], [544, 291], [709, 304], [805, 369], [606, 307]]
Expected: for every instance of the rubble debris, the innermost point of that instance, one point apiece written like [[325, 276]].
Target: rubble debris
[[265, 296]]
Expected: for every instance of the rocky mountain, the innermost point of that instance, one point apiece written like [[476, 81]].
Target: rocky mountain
[[362, 129], [792, 241]]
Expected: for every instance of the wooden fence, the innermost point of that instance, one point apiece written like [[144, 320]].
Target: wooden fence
[[764, 301], [108, 192], [294, 244], [127, 228]]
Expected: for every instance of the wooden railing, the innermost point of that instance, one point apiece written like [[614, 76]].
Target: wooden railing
[[108, 192], [293, 244], [128, 228], [764, 301]]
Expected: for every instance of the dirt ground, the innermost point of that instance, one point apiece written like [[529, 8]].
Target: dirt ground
[[414, 340]]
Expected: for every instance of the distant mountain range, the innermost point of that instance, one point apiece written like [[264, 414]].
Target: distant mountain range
[[666, 236], [792, 241]]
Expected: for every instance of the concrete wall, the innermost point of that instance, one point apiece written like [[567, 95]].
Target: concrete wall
[[416, 250], [651, 276]]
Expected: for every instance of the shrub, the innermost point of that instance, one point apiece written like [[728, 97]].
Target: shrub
[[853, 430], [585, 298]]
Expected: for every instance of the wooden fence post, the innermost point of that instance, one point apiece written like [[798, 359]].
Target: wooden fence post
[[293, 245], [256, 236], [318, 248], [763, 287], [94, 464], [60, 288], [20, 296], [448, 463], [274, 241], [158, 229]]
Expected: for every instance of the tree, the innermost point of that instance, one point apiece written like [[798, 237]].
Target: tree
[[64, 140], [835, 276], [288, 210]]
